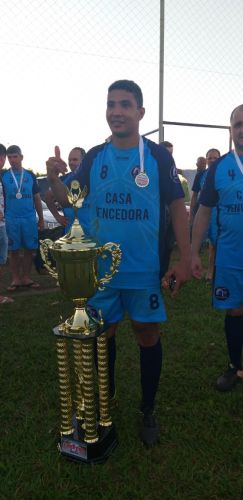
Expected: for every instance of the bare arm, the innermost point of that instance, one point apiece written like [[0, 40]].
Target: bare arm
[[38, 207], [200, 226], [192, 205], [50, 201], [181, 270], [55, 166]]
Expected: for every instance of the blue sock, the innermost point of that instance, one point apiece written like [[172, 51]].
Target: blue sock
[[150, 366], [234, 336]]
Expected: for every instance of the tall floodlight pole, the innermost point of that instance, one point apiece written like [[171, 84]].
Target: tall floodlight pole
[[161, 71]]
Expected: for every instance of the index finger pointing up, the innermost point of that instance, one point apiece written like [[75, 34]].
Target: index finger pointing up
[[57, 152]]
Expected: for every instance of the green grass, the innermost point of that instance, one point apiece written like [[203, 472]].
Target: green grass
[[200, 455]]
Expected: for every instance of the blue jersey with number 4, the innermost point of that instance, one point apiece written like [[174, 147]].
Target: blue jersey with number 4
[[223, 188], [124, 213]]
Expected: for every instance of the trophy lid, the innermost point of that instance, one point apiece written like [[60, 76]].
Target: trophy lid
[[76, 239]]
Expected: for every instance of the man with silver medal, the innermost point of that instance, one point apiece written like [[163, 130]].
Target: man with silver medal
[[22, 202], [223, 189], [129, 180]]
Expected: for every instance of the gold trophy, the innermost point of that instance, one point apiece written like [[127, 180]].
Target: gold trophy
[[87, 434]]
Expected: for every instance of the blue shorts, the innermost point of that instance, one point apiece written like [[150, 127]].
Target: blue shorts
[[144, 306], [3, 245], [22, 233], [228, 288]]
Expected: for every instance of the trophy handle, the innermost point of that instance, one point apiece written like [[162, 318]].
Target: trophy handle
[[45, 246], [116, 253]]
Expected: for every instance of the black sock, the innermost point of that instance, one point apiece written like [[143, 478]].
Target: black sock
[[111, 348], [234, 336], [150, 366]]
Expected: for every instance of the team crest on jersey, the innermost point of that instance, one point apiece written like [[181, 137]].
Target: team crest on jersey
[[135, 171], [174, 174], [221, 293]]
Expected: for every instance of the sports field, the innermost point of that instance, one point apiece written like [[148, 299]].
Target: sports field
[[200, 455]]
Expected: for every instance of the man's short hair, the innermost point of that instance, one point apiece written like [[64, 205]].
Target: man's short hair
[[167, 144], [82, 150], [129, 86], [3, 150], [211, 150], [14, 150]]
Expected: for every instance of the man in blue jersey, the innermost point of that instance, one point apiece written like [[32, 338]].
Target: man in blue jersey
[[130, 180], [75, 159], [22, 201], [223, 189]]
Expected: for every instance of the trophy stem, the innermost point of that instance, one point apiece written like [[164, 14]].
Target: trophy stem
[[77, 356], [91, 435], [103, 381], [65, 388]]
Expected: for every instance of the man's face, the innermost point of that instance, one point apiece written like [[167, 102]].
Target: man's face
[[212, 157], [74, 159], [123, 114], [15, 160], [201, 163], [2, 161], [236, 130], [170, 149]]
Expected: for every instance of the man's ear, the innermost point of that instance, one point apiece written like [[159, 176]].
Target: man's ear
[[230, 136], [141, 112]]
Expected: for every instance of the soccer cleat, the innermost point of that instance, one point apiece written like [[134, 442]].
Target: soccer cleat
[[149, 430], [228, 380]]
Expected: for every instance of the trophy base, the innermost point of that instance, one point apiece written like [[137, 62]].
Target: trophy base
[[74, 447], [85, 323]]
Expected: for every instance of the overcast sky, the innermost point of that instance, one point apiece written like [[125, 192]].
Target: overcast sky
[[59, 56]]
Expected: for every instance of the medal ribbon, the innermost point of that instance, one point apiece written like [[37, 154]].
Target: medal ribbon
[[141, 154], [237, 159], [15, 180]]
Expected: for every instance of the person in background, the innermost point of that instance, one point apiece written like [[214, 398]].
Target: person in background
[[130, 180], [3, 234], [199, 179], [201, 164], [75, 159], [223, 189], [168, 145], [212, 156], [22, 202], [170, 237]]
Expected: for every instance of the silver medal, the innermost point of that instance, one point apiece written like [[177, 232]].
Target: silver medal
[[18, 195], [142, 180]]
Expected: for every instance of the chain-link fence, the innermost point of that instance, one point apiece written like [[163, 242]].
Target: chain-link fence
[[59, 56]]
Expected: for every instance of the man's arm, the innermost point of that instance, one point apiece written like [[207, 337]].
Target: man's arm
[[181, 270], [192, 206], [200, 225], [38, 207], [50, 201], [55, 166]]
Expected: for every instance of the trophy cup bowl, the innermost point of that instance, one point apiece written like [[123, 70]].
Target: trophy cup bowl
[[76, 256], [85, 436]]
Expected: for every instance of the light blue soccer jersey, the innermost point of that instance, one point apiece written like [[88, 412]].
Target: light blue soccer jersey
[[23, 207], [223, 188], [121, 212]]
